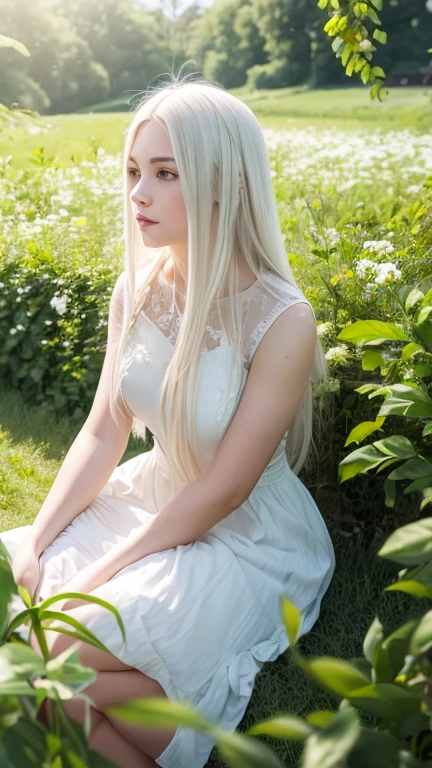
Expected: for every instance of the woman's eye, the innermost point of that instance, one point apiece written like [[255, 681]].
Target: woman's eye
[[133, 170], [170, 172]]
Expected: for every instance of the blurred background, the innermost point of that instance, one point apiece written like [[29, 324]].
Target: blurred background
[[87, 55]]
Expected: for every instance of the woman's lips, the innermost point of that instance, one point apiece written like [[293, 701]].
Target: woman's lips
[[142, 223]]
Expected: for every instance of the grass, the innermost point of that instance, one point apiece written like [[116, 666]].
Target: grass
[[342, 108], [33, 444]]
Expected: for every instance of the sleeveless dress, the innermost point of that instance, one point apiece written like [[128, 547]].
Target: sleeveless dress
[[200, 618]]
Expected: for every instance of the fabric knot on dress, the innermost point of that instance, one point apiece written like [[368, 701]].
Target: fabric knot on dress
[[242, 670]]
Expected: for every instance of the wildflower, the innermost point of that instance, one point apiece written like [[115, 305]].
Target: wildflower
[[362, 265], [339, 355], [387, 272], [59, 303], [78, 221], [365, 45], [333, 235], [378, 246], [323, 329]]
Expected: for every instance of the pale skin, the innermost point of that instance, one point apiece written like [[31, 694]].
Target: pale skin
[[273, 392]]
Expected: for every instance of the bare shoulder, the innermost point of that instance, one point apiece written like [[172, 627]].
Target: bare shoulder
[[293, 333]]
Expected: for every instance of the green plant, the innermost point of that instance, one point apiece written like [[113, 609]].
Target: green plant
[[50, 319], [403, 354], [352, 43], [27, 679]]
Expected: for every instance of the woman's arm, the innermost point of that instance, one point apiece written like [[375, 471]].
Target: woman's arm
[[95, 452]]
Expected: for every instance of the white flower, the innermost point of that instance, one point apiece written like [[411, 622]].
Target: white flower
[[365, 45], [323, 329], [339, 354], [387, 272], [12, 331], [362, 265], [333, 235], [20, 327], [378, 246], [59, 303]]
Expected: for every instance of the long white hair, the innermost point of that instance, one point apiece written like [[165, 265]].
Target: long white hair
[[218, 144]]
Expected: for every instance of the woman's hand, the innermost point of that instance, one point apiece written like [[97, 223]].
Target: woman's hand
[[25, 566]]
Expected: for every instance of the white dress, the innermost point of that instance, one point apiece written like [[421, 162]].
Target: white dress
[[200, 618]]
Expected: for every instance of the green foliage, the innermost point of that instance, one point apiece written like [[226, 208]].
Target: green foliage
[[352, 44], [403, 350], [391, 682], [50, 319]]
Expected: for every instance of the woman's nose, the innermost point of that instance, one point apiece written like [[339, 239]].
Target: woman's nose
[[140, 195]]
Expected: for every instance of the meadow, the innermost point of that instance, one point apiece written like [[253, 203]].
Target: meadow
[[348, 177]]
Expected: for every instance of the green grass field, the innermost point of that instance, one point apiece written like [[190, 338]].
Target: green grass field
[[343, 108]]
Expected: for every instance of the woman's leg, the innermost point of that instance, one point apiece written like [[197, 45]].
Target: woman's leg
[[110, 743], [106, 740], [116, 682]]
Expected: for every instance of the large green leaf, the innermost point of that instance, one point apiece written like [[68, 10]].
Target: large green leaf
[[396, 445], [421, 640], [386, 701], [10, 711], [160, 713], [67, 668], [320, 718], [375, 749], [361, 460], [411, 544], [18, 663], [390, 653], [243, 752], [363, 430], [330, 746], [377, 331], [291, 618], [334, 674], [10, 42], [25, 744], [404, 400], [282, 727], [371, 359], [373, 636], [411, 587], [413, 469]]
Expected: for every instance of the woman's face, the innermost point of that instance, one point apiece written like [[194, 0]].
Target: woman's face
[[154, 187]]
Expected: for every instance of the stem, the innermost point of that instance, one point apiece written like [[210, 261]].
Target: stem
[[37, 629]]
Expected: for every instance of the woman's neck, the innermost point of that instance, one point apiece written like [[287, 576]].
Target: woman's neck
[[175, 273]]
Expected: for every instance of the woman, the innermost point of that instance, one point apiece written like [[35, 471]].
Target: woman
[[212, 345]]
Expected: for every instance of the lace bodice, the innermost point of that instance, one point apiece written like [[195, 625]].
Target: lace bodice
[[151, 342], [164, 308]]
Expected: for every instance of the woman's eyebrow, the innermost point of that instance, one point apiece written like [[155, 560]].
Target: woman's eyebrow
[[156, 160]]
